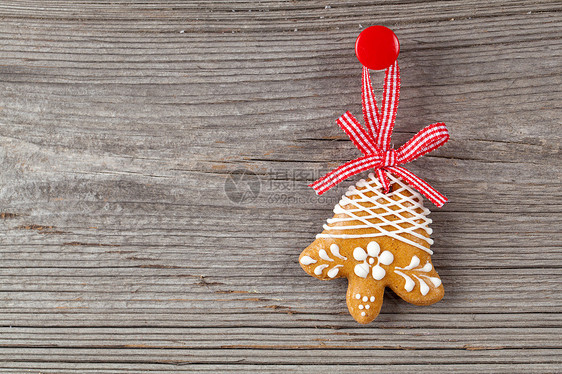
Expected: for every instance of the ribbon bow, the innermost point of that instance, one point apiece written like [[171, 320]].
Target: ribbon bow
[[374, 142]]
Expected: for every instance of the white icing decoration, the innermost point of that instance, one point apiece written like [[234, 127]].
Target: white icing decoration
[[427, 268], [386, 258], [334, 271], [415, 262], [367, 306], [324, 255], [361, 270], [363, 314], [357, 296], [365, 298], [360, 306], [436, 281], [405, 203], [335, 249], [409, 286], [318, 270], [424, 289], [359, 254], [372, 299], [378, 272], [373, 249], [307, 260]]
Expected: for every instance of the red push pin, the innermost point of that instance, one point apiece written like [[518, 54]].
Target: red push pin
[[377, 47]]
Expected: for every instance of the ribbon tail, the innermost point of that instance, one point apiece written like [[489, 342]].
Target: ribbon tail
[[383, 178], [428, 139], [370, 110], [419, 184], [343, 172]]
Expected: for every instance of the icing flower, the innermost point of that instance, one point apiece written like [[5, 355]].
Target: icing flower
[[372, 258]]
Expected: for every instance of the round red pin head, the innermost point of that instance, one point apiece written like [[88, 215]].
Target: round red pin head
[[377, 47]]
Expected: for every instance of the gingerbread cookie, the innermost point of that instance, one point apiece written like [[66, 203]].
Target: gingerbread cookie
[[377, 240], [379, 236]]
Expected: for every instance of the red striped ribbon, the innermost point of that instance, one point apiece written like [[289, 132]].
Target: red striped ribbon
[[374, 141]]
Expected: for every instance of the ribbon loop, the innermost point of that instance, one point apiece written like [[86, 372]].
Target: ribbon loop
[[390, 98], [374, 142], [425, 141], [369, 104], [360, 138]]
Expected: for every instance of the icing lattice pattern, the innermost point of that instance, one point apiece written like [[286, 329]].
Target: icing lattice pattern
[[402, 213]]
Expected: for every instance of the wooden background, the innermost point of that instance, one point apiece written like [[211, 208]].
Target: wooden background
[[120, 122]]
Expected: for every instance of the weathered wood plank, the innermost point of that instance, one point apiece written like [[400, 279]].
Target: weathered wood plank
[[121, 121], [241, 367], [278, 338], [264, 354]]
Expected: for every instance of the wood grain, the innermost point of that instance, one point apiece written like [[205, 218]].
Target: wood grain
[[121, 121]]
